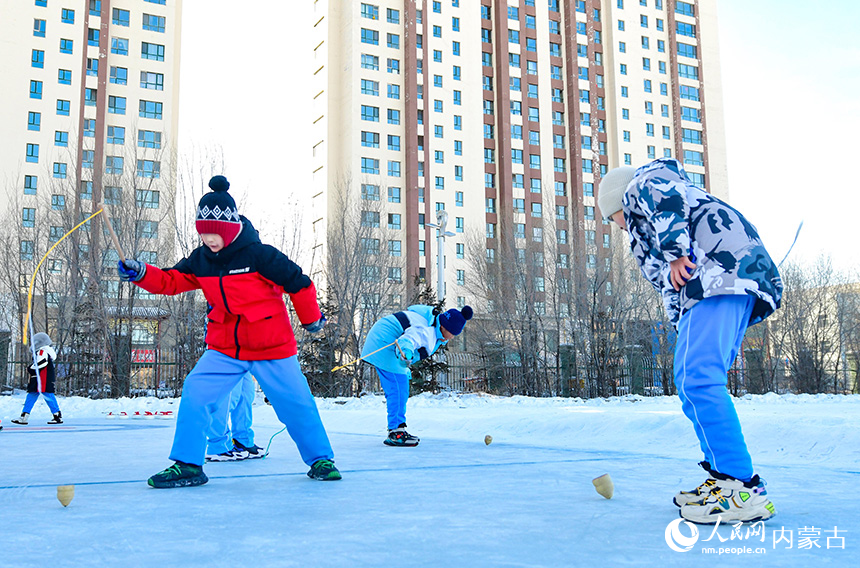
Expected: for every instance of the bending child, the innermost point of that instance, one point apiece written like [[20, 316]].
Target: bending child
[[397, 341], [716, 279]]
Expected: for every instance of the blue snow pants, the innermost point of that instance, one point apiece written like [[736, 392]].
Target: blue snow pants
[[709, 337], [32, 397], [238, 408], [396, 388], [213, 378]]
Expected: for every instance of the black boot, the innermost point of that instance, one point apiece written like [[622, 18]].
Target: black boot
[[57, 419]]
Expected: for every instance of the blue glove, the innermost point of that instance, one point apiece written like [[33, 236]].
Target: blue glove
[[130, 270], [315, 326], [405, 350]]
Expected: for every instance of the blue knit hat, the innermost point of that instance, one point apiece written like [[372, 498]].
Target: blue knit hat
[[453, 320]]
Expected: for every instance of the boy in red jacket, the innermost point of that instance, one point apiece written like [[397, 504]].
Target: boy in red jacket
[[249, 331]]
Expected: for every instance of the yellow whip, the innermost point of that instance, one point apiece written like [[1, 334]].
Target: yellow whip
[[33, 277], [363, 356]]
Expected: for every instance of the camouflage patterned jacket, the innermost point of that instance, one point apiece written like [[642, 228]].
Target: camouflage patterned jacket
[[668, 217]]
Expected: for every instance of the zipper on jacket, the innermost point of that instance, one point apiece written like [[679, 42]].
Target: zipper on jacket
[[227, 307], [236, 335]]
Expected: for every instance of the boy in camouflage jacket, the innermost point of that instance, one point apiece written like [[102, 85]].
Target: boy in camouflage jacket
[[716, 279]]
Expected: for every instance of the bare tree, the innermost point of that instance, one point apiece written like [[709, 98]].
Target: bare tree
[[363, 282]]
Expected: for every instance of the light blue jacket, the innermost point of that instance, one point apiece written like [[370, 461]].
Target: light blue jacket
[[421, 339]]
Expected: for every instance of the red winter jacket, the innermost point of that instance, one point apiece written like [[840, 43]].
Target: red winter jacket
[[244, 283]]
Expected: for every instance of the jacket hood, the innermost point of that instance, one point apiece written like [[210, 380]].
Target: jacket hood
[[247, 237]]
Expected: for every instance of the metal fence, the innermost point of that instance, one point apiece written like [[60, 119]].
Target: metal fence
[[149, 372], [161, 372]]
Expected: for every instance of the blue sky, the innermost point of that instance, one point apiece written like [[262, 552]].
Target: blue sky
[[791, 77]]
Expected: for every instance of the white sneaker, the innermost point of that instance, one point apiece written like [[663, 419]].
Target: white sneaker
[[228, 456], [697, 494], [731, 500]]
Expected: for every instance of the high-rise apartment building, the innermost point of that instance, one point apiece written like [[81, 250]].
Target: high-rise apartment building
[[505, 114], [89, 113]]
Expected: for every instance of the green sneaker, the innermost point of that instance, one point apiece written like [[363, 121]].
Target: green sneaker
[[324, 470], [180, 474]]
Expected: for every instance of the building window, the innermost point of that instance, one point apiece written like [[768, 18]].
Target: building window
[[119, 75], [116, 105], [369, 87], [30, 184], [369, 11], [371, 114], [690, 114], [148, 139], [150, 109], [116, 135], [34, 121], [688, 71], [370, 219], [393, 168], [694, 158], [153, 23], [146, 198], [121, 17], [33, 153], [370, 139], [370, 37], [369, 62], [684, 29], [147, 229], [148, 169], [27, 250], [37, 59], [369, 166], [39, 28], [395, 248], [149, 80], [119, 46], [89, 127], [114, 165], [35, 89], [152, 51], [60, 170], [58, 202]]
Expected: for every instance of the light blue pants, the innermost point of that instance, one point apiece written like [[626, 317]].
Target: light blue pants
[[238, 408], [209, 384], [396, 388], [32, 397], [709, 337]]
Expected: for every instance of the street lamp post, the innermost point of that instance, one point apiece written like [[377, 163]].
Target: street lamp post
[[441, 233]]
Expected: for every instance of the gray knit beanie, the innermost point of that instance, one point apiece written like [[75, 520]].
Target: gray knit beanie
[[41, 339], [612, 188]]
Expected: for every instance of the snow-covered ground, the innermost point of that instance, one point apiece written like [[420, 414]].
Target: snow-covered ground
[[524, 500]]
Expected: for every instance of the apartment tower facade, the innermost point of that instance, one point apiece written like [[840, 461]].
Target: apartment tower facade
[[89, 114], [505, 114]]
